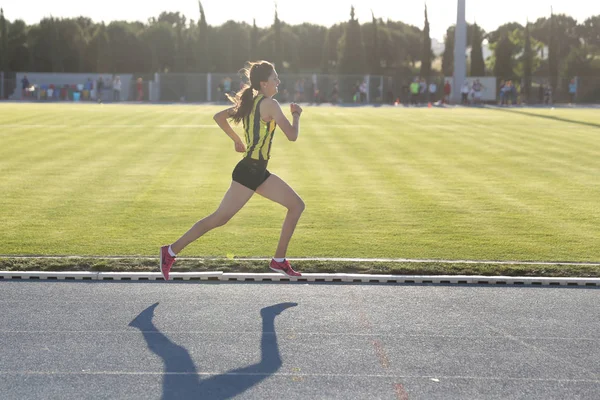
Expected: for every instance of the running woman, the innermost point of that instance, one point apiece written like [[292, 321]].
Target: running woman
[[260, 114]]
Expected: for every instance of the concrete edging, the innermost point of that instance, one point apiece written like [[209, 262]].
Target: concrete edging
[[307, 277]]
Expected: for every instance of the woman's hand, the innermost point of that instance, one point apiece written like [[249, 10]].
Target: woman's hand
[[295, 108], [239, 146]]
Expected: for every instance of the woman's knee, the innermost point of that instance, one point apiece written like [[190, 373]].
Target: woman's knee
[[298, 206]]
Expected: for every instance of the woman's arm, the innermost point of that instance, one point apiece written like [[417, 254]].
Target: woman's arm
[[274, 111], [221, 120]]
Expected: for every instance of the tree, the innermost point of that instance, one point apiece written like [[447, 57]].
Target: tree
[[351, 51], [17, 55], [590, 31], [254, 42], [230, 47], [125, 48], [57, 51], [374, 56], [170, 42], [310, 41], [3, 42], [477, 62], [277, 49], [40, 44], [190, 47], [503, 52], [181, 59], [580, 63], [406, 43], [502, 31], [159, 39], [99, 46], [448, 56], [203, 56], [292, 44], [414, 45], [560, 33], [526, 52], [329, 58], [504, 45], [426, 54], [387, 48], [552, 53], [527, 63]]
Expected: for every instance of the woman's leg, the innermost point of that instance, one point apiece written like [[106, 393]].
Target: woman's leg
[[232, 202], [275, 189]]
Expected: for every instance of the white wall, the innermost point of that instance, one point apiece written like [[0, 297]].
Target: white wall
[[60, 79]]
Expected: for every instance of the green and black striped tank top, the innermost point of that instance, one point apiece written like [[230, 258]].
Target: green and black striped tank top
[[259, 134]]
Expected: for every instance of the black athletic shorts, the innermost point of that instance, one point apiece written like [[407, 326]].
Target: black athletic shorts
[[251, 173]]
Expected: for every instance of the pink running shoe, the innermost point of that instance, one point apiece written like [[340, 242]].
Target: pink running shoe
[[166, 262], [283, 267]]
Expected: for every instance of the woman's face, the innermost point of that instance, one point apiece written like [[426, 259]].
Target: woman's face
[[269, 87]]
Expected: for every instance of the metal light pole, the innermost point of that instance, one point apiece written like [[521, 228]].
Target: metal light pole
[[460, 50]]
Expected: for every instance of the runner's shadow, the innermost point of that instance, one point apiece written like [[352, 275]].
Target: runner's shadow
[[181, 379]]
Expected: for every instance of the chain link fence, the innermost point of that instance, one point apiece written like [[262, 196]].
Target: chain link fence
[[313, 89], [300, 88], [577, 90]]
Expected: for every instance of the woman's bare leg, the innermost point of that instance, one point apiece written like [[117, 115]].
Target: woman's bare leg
[[235, 198], [275, 189]]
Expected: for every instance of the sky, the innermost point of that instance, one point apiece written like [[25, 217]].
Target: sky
[[489, 14]]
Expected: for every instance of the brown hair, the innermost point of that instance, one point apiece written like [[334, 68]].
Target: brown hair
[[255, 73]]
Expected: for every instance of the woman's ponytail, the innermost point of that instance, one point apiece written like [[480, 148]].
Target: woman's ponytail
[[243, 103]]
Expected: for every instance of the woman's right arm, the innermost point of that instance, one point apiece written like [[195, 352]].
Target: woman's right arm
[[221, 120]]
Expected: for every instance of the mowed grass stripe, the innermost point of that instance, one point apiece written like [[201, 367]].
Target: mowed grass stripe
[[388, 182], [454, 172], [111, 158], [352, 190], [522, 188], [61, 183], [390, 200], [430, 192]]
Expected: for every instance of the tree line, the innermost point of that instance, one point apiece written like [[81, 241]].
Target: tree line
[[552, 47]]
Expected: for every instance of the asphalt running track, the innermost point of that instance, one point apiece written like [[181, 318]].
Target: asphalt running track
[[297, 340]]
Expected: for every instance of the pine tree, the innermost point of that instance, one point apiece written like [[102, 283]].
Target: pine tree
[[278, 50], [325, 54], [204, 61], [351, 56], [426, 55], [552, 52], [527, 63], [477, 63], [503, 68], [448, 56], [374, 56], [180, 61]]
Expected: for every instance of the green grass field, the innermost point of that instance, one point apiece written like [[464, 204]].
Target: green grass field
[[477, 184]]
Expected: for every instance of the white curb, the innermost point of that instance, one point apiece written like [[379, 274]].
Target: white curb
[[49, 275], [154, 276], [307, 277]]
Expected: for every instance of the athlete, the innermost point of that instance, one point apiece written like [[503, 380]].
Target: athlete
[[260, 114]]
